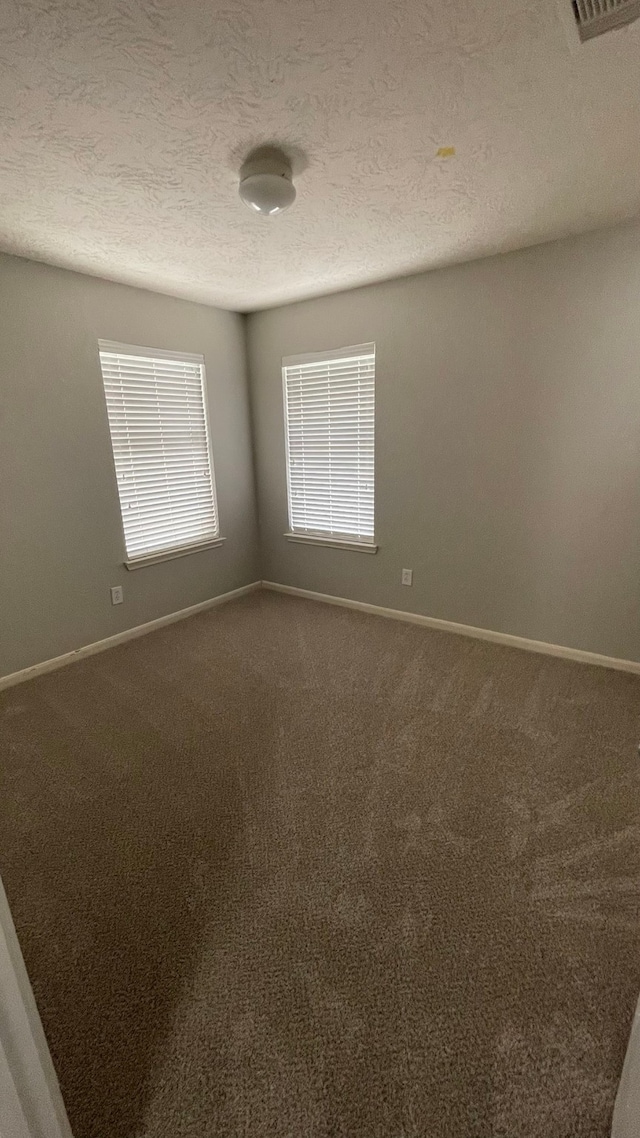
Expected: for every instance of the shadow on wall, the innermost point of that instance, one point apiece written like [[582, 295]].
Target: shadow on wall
[[578, 367], [526, 430], [584, 535]]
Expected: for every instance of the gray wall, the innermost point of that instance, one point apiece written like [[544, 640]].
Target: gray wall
[[507, 460], [507, 442], [60, 531]]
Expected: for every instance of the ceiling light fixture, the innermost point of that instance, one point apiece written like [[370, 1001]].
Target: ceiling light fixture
[[266, 184]]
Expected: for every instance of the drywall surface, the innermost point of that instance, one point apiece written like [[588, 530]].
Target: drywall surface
[[60, 530], [507, 442]]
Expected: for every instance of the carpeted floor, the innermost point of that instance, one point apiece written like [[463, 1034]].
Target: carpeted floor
[[289, 871]]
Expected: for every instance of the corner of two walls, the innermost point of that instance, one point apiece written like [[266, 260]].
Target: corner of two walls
[[507, 442], [507, 449]]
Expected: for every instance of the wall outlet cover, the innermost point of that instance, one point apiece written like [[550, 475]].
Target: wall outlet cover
[[117, 596], [407, 576]]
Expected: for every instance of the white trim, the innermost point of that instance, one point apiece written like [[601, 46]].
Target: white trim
[[116, 348], [354, 352], [111, 347], [626, 1113], [212, 465], [121, 637], [334, 542], [349, 353], [559, 650], [31, 1105], [171, 554], [506, 638], [13, 1123]]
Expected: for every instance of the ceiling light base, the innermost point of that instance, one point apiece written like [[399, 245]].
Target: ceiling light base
[[266, 184]]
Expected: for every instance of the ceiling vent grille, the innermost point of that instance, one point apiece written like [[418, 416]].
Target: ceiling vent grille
[[595, 17]]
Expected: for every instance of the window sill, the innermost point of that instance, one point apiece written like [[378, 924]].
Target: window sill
[[332, 542], [171, 554]]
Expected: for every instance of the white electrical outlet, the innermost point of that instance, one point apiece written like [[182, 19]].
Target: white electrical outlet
[[117, 595], [407, 576]]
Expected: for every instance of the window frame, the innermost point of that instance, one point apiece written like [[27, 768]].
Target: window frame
[[319, 538], [182, 549]]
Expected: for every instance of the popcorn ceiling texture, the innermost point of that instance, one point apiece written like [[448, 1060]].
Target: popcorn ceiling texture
[[124, 126]]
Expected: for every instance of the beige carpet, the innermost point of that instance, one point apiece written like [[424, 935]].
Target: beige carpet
[[288, 871]]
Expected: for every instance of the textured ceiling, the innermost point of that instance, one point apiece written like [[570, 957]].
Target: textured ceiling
[[124, 123]]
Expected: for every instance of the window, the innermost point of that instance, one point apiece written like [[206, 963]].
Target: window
[[329, 420], [156, 405]]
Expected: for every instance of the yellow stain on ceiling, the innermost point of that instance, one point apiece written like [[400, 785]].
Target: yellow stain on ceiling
[[446, 152]]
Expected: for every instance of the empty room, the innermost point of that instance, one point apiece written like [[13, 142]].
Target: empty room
[[319, 591]]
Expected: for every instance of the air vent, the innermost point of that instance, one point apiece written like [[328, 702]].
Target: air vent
[[595, 17]]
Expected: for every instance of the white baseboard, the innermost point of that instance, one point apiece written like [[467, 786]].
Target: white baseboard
[[121, 637], [506, 638]]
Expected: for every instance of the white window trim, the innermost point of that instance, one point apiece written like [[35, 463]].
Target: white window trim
[[333, 540], [172, 554], [346, 352], [185, 550]]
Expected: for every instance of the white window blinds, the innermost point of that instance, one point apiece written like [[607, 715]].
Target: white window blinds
[[159, 433], [329, 418]]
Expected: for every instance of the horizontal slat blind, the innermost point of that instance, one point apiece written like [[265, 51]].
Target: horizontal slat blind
[[159, 434], [329, 412]]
